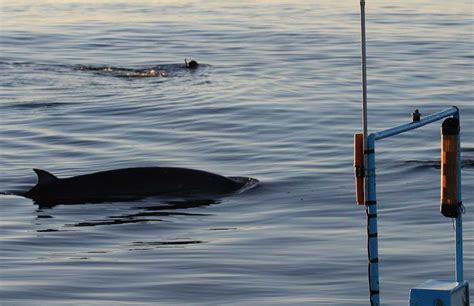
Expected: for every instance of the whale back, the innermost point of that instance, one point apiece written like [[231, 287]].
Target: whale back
[[129, 183]]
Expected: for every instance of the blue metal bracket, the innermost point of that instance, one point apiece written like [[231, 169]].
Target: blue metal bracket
[[371, 199]]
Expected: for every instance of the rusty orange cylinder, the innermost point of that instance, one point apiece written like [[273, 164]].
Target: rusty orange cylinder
[[449, 167], [359, 167]]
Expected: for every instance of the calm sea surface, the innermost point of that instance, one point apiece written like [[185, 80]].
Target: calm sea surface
[[97, 85]]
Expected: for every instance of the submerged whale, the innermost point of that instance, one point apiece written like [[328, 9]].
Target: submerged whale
[[133, 183]]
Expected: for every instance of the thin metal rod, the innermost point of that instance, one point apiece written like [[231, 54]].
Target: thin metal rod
[[459, 238], [459, 249], [364, 72], [414, 125]]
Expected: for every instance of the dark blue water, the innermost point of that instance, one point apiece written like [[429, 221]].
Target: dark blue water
[[277, 98]]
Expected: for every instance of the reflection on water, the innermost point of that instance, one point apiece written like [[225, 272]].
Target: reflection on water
[[436, 164], [151, 213], [164, 243], [182, 204], [145, 214]]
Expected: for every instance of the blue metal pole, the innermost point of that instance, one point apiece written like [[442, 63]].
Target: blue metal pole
[[414, 125], [371, 208], [459, 238]]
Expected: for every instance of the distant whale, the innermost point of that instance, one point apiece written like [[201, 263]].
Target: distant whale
[[161, 71], [131, 184]]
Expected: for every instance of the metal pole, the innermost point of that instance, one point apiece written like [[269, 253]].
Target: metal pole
[[364, 74], [372, 232], [369, 165], [452, 111], [459, 238]]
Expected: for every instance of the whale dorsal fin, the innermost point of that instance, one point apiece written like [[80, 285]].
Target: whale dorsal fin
[[45, 178]]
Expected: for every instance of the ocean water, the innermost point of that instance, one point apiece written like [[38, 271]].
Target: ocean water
[[88, 86]]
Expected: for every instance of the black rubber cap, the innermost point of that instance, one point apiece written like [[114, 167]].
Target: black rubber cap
[[450, 211], [450, 126]]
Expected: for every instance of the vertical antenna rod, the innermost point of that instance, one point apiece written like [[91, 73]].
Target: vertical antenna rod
[[364, 73]]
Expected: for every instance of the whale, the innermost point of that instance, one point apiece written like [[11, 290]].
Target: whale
[[159, 71], [132, 184]]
